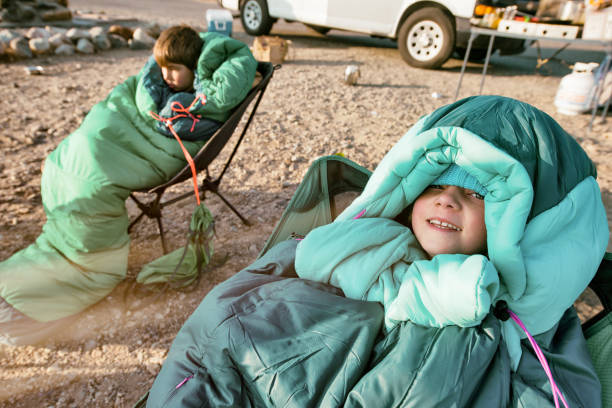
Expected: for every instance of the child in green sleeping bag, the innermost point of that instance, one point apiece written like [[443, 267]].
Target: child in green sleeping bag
[[176, 51], [179, 73]]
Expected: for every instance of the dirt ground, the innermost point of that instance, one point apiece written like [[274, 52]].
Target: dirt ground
[[111, 354]]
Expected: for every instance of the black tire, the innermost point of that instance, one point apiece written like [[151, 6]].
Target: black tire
[[427, 38], [319, 29], [255, 18], [476, 54]]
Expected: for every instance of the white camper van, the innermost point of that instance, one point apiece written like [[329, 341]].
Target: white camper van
[[427, 32]]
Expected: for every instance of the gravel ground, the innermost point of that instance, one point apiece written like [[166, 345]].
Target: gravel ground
[[111, 354]]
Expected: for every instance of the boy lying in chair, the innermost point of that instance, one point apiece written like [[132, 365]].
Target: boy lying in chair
[[186, 70], [506, 228], [120, 147]]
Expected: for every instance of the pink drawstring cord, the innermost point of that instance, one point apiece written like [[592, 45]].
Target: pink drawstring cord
[[183, 382], [184, 113], [542, 358], [360, 214]]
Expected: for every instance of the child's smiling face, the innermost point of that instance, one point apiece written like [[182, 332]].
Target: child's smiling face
[[178, 77], [449, 220]]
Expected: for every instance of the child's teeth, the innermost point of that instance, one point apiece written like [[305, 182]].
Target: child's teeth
[[444, 224]]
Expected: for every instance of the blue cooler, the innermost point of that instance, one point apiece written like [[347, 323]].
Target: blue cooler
[[219, 21]]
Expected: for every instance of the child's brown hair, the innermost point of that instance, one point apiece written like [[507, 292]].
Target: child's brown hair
[[179, 45]]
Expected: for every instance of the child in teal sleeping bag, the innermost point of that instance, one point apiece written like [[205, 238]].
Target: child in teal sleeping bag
[[507, 212], [375, 258]]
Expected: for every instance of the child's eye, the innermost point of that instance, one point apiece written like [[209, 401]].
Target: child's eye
[[476, 195], [436, 186]]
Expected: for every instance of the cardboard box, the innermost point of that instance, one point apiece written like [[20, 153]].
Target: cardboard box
[[219, 21], [270, 49], [598, 24]]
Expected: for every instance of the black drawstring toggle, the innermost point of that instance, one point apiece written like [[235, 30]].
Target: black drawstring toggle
[[501, 310]]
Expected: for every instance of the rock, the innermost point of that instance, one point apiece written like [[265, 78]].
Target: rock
[[84, 46], [351, 74], [7, 35], [39, 46], [34, 70], [55, 30], [153, 29], [122, 31], [117, 41], [97, 30], [65, 49], [75, 34], [142, 40], [37, 32], [58, 39], [20, 48], [102, 42]]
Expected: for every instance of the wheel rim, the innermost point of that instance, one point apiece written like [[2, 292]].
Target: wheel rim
[[425, 40], [252, 15]]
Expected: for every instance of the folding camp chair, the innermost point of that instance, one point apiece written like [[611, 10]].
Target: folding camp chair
[[207, 154]]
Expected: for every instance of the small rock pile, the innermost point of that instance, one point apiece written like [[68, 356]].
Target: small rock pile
[[38, 41]]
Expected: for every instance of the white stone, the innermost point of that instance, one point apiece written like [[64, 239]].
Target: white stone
[[141, 35], [75, 34], [65, 49], [84, 46], [6, 36], [102, 42], [58, 39], [40, 45], [97, 30], [37, 32], [351, 74], [56, 30]]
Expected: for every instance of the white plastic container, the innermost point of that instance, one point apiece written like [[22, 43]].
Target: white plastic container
[[219, 21], [576, 91]]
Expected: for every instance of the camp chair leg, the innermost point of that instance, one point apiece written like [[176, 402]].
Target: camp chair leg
[[151, 210], [244, 220], [135, 221], [161, 235], [213, 186]]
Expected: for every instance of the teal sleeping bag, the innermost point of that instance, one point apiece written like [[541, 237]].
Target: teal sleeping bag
[[82, 252], [341, 322]]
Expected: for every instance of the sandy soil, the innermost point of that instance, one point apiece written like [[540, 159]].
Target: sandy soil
[[110, 356]]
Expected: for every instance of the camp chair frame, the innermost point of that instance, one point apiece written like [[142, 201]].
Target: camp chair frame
[[207, 154]]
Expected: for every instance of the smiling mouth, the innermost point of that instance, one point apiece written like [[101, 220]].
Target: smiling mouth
[[444, 225]]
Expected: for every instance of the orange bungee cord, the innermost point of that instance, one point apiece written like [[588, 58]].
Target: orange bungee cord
[[183, 112]]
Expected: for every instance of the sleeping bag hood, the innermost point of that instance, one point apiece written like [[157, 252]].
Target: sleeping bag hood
[[546, 224]]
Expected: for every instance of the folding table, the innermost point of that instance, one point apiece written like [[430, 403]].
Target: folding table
[[604, 44]]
